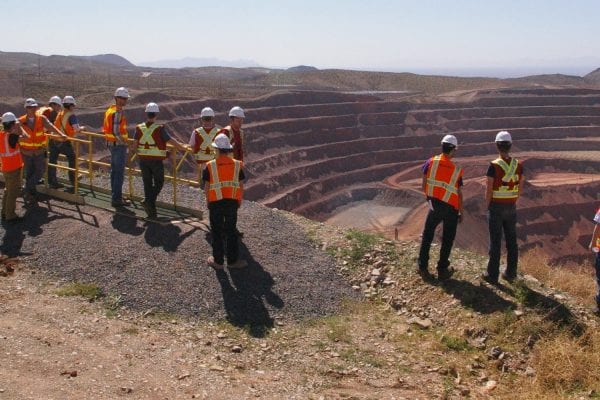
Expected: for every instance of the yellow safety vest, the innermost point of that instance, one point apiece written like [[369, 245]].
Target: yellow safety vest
[[509, 188], [146, 144], [206, 151]]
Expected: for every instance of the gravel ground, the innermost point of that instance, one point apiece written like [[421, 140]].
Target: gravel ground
[[150, 266]]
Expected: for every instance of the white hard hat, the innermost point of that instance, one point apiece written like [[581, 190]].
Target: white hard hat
[[222, 142], [207, 112], [450, 139], [69, 100], [55, 100], [8, 117], [503, 136], [237, 112], [122, 92], [151, 108], [31, 102]]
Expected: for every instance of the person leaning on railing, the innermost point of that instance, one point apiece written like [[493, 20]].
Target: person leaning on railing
[[33, 148], [151, 141], [67, 122]]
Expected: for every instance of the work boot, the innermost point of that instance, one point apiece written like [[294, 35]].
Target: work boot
[[213, 264], [444, 274], [237, 264], [508, 278], [56, 185], [489, 279]]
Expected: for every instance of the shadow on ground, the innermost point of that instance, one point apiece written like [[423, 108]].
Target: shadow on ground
[[244, 294]]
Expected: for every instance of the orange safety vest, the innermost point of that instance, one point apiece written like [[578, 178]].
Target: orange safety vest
[[46, 112], [442, 180], [205, 150], [62, 123], [37, 137], [509, 185], [107, 127], [11, 158], [224, 180]]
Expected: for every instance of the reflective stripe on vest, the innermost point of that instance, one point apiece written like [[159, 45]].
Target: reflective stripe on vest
[[146, 144], [510, 181], [62, 123], [11, 158], [449, 184], [216, 185], [206, 153], [37, 136], [107, 125]]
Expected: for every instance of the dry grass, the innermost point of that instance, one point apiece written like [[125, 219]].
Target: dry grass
[[577, 281], [565, 364]]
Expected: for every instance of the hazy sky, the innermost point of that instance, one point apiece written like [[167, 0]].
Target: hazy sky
[[366, 34]]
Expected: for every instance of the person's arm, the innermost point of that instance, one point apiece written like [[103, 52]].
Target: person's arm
[[21, 132], [595, 236], [489, 188], [75, 124], [181, 147], [460, 204], [206, 179], [50, 127]]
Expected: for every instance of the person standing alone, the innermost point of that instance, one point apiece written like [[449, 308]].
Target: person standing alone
[[115, 132], [442, 181], [223, 178], [503, 187]]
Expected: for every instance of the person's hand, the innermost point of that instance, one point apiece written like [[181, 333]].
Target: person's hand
[[460, 218]]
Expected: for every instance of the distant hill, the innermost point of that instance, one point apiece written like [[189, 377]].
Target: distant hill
[[108, 59], [302, 68], [593, 76], [193, 62]]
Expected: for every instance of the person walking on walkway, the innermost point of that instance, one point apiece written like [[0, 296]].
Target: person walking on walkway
[[115, 132], [11, 165], [202, 138], [503, 188], [235, 133], [442, 182], [595, 247], [151, 141], [223, 178], [66, 121], [33, 148]]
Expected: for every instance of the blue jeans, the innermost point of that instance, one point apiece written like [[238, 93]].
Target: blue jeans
[[598, 278], [118, 157], [34, 164], [442, 212], [502, 217]]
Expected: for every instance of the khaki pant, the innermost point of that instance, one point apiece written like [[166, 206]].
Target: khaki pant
[[12, 188]]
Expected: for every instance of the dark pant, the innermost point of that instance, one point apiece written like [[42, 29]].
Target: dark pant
[[118, 158], [153, 176], [34, 163], [441, 212], [57, 148], [223, 221], [502, 217], [598, 278]]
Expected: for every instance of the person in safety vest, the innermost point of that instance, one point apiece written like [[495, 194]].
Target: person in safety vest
[[12, 164], [66, 121], [52, 109], [115, 132], [595, 247], [223, 186], [202, 138], [235, 133], [33, 148], [503, 187], [442, 182], [151, 146]]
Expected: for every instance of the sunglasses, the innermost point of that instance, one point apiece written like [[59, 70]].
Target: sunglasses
[[207, 118]]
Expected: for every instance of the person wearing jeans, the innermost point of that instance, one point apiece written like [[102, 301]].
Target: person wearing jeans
[[115, 132], [503, 188], [442, 181]]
